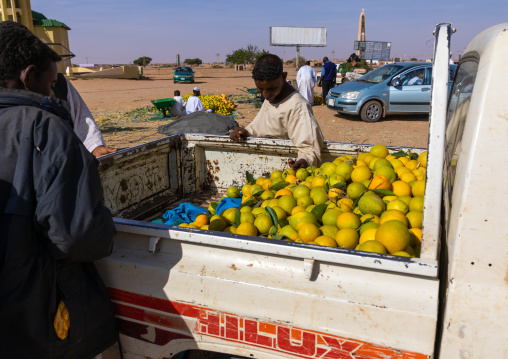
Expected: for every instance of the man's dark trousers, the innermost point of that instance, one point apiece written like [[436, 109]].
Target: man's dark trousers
[[327, 86]]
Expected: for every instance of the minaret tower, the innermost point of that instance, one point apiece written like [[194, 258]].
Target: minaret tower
[[361, 30], [17, 10]]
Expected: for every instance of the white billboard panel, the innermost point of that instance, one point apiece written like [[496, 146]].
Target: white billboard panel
[[297, 36]]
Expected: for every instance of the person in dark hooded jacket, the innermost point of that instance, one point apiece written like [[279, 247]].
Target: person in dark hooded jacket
[[52, 220]]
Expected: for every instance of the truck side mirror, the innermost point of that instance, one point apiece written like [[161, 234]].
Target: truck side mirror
[[396, 82]]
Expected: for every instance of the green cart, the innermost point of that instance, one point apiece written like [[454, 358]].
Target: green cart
[[163, 106]]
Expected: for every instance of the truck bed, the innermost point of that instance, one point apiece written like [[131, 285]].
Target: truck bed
[[212, 288]]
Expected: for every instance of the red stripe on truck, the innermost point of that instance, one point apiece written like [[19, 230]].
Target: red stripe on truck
[[232, 328]]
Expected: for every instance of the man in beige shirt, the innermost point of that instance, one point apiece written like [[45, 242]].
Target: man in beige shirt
[[284, 114]]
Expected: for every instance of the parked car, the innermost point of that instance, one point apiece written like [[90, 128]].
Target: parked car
[[183, 73], [401, 87]]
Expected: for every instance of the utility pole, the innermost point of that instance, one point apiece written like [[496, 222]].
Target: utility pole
[[333, 56], [218, 58]]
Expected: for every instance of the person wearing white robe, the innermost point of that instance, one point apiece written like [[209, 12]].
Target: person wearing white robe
[[306, 79], [178, 108], [194, 103]]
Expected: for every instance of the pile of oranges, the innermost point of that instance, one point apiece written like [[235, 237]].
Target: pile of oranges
[[370, 202]]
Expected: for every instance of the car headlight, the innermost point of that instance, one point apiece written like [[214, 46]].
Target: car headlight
[[352, 95]]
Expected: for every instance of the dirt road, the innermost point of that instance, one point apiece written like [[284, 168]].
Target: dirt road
[[120, 105]]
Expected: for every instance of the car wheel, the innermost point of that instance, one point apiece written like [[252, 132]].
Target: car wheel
[[192, 81], [174, 81], [371, 111]]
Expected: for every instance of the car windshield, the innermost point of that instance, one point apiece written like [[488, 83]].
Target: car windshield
[[380, 74], [183, 69]]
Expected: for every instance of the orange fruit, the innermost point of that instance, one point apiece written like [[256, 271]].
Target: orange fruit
[[416, 204], [287, 202], [300, 218], [347, 238], [368, 235], [348, 220], [398, 204], [330, 217], [367, 226], [412, 164], [263, 223], [394, 235], [247, 229], [217, 225], [247, 217], [361, 173], [290, 178], [379, 151], [326, 241], [372, 246], [201, 220], [416, 236], [407, 177], [283, 192], [355, 189], [401, 188], [308, 232], [267, 184], [415, 219], [380, 182], [419, 188], [233, 192], [300, 190], [393, 214], [344, 169], [422, 159], [297, 209]]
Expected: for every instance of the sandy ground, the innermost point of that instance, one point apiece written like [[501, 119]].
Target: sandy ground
[[121, 109]]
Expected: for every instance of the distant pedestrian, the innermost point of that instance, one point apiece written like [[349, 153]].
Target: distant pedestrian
[[328, 76], [178, 108], [306, 79], [194, 102]]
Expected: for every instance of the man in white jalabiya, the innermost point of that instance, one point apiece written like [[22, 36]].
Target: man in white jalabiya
[[178, 108], [194, 103], [306, 79]]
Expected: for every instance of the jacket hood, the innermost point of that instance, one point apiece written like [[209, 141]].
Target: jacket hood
[[14, 97]]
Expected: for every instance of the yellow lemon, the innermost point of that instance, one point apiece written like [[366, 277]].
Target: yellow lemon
[[407, 177], [300, 218], [297, 209]]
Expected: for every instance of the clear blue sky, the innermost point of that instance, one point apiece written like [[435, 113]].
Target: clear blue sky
[[119, 31]]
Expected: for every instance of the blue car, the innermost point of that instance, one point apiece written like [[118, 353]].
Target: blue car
[[183, 73], [397, 88]]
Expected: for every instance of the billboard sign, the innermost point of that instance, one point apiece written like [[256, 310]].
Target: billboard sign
[[374, 50], [297, 36]]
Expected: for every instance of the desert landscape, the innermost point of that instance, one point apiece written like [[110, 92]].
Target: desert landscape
[[124, 113]]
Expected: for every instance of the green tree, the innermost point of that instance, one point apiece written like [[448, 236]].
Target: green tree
[[142, 61], [195, 61], [413, 59], [245, 56], [301, 61]]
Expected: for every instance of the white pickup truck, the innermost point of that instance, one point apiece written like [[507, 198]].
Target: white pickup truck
[[176, 289]]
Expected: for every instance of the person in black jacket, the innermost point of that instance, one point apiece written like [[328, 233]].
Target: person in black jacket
[[52, 220]]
